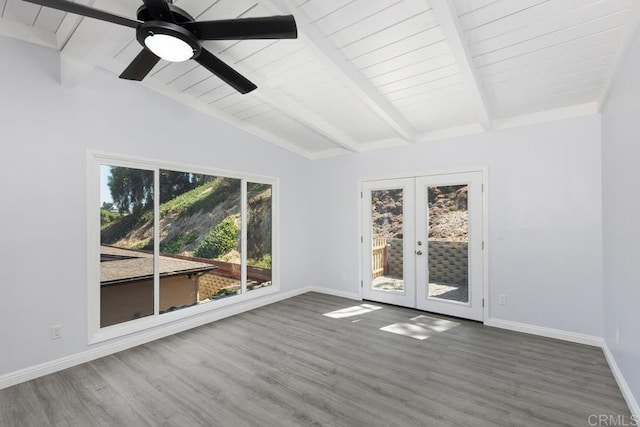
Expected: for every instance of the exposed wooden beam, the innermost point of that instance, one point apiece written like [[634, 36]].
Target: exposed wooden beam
[[327, 52], [623, 48], [292, 108], [296, 110], [447, 17], [304, 115]]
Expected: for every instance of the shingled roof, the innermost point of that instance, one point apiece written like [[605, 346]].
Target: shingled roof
[[126, 265]]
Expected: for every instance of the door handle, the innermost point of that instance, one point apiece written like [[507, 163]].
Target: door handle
[[418, 252]]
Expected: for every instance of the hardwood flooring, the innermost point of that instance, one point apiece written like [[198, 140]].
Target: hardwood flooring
[[288, 364]]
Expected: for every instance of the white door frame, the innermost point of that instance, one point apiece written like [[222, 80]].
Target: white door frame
[[485, 226]]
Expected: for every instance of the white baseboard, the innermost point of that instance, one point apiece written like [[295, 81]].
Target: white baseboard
[[622, 383], [328, 291], [546, 332], [46, 368], [634, 407]]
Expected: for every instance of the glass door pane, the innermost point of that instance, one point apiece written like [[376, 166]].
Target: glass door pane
[[388, 218], [448, 241], [387, 265], [449, 247]]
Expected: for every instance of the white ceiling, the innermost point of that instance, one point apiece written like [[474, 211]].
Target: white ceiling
[[368, 74]]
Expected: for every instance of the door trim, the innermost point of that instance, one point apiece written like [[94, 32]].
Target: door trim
[[485, 226]]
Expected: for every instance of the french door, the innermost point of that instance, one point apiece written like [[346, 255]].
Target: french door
[[422, 243]]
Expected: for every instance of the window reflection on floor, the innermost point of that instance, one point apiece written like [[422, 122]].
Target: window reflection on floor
[[357, 310], [420, 327]]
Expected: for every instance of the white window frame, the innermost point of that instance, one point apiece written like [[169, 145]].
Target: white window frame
[[97, 334]]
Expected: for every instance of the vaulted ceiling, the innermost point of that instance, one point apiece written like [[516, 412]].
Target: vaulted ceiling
[[368, 74]]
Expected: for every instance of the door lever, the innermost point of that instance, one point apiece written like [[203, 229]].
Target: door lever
[[418, 252]]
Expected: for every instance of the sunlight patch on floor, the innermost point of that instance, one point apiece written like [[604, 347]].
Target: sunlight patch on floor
[[420, 327], [356, 310]]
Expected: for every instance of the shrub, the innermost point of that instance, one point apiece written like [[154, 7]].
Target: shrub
[[107, 217], [177, 244], [220, 240], [263, 262]]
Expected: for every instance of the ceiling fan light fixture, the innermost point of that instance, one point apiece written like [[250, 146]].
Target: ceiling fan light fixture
[[168, 47], [168, 41]]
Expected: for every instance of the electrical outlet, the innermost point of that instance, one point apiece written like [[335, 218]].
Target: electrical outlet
[[56, 332], [502, 299], [617, 336]]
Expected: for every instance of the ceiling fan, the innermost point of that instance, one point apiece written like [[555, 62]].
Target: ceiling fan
[[167, 32]]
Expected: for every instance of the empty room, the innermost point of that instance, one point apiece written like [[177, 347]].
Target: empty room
[[314, 212]]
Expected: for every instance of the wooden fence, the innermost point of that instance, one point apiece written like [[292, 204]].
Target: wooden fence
[[380, 257], [229, 269]]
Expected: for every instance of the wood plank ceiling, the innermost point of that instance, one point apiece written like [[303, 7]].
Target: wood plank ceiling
[[369, 74]]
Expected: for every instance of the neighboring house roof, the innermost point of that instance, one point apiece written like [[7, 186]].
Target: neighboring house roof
[[126, 265]]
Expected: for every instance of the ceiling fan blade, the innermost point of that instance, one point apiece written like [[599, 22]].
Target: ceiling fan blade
[[226, 73], [272, 27], [140, 66], [80, 9], [159, 10]]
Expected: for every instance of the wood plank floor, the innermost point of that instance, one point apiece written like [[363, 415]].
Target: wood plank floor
[[288, 364]]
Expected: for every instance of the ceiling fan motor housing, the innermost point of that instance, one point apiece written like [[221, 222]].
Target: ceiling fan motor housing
[[167, 26], [152, 28], [177, 15]]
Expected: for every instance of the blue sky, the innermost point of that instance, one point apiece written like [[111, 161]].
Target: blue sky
[[105, 194]]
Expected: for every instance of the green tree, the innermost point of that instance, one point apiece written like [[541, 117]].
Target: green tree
[[131, 189]]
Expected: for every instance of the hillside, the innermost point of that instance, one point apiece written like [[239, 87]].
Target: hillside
[[187, 220], [448, 216]]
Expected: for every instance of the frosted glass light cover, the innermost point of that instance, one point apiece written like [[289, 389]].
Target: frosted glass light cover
[[168, 47]]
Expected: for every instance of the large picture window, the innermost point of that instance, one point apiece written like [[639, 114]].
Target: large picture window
[[172, 241]]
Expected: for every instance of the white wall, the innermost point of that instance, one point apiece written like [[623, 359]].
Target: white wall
[[46, 130], [544, 187], [544, 195], [621, 225]]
